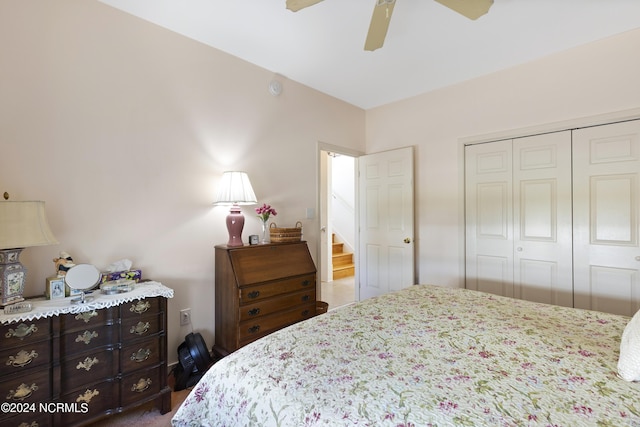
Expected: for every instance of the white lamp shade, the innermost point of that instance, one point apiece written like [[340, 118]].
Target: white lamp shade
[[235, 188], [24, 224]]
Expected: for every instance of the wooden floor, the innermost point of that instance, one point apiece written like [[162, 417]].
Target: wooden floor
[[338, 292]]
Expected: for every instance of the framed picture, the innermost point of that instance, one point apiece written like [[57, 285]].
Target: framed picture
[[55, 288]]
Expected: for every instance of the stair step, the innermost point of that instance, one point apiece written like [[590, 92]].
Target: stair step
[[342, 261], [343, 271], [344, 258]]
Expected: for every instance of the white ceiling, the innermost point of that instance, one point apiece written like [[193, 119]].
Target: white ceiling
[[427, 47]]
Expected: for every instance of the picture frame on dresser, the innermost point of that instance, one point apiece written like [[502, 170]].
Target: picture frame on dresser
[[55, 288]]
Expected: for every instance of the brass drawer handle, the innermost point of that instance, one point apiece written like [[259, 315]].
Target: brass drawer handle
[[140, 307], [86, 337], [87, 364], [21, 359], [254, 329], [22, 392], [141, 385], [87, 395], [140, 329], [305, 313], [141, 355], [305, 298], [22, 331], [254, 312], [253, 294], [86, 316], [306, 282]]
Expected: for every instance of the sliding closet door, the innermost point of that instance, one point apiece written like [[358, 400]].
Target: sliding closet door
[[518, 218], [606, 164], [489, 218], [543, 267]]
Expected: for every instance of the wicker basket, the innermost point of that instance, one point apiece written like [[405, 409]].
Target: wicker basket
[[321, 307], [280, 235]]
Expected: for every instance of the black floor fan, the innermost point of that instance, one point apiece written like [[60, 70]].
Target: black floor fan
[[193, 361]]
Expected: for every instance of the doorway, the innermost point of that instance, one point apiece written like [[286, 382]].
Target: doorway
[[382, 213], [338, 195]]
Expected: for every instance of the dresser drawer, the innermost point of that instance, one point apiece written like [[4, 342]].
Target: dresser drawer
[[89, 401], [35, 387], [17, 360], [269, 306], [86, 319], [139, 308], [29, 419], [85, 369], [144, 354], [20, 333], [252, 294], [141, 327], [89, 338], [256, 328], [140, 385]]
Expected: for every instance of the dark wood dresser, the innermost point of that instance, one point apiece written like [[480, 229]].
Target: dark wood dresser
[[72, 369], [260, 289]]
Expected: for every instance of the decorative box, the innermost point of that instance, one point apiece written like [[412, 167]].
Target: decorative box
[[134, 275]]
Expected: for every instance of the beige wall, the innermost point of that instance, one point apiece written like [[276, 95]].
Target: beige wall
[[595, 79], [124, 129]]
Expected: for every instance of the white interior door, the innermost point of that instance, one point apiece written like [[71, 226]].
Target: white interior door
[[518, 218], [386, 248], [489, 217], [542, 232], [606, 164]]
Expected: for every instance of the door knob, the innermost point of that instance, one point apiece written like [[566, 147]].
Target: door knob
[[407, 240], [638, 258]]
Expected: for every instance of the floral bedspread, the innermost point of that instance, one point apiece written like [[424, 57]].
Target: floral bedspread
[[425, 356]]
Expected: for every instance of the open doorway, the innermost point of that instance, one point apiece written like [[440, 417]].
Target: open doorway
[[338, 228]]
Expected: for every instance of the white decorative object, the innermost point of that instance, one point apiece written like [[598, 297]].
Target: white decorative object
[[629, 360]]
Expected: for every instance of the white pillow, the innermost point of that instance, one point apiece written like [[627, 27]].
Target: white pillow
[[629, 361]]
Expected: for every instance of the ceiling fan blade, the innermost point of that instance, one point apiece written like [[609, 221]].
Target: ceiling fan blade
[[472, 9], [379, 24], [296, 5]]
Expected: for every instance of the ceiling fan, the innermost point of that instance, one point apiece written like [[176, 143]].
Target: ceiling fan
[[472, 9]]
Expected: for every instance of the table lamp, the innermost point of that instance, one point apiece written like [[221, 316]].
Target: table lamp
[[235, 189], [22, 224]]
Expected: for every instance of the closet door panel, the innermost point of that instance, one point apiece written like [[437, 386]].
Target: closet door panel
[[606, 163], [489, 213], [542, 216]]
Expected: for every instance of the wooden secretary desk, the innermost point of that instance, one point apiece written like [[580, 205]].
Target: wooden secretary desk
[[260, 289]]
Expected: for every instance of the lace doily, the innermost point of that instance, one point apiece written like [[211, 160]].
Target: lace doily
[[47, 308]]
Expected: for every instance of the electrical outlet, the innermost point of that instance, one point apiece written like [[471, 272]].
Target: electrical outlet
[[185, 317]]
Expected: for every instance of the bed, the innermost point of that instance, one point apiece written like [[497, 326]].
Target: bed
[[425, 356]]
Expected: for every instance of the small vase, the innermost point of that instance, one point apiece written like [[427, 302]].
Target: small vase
[[265, 233]]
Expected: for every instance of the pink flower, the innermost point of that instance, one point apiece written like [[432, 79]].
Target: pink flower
[[265, 211]]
